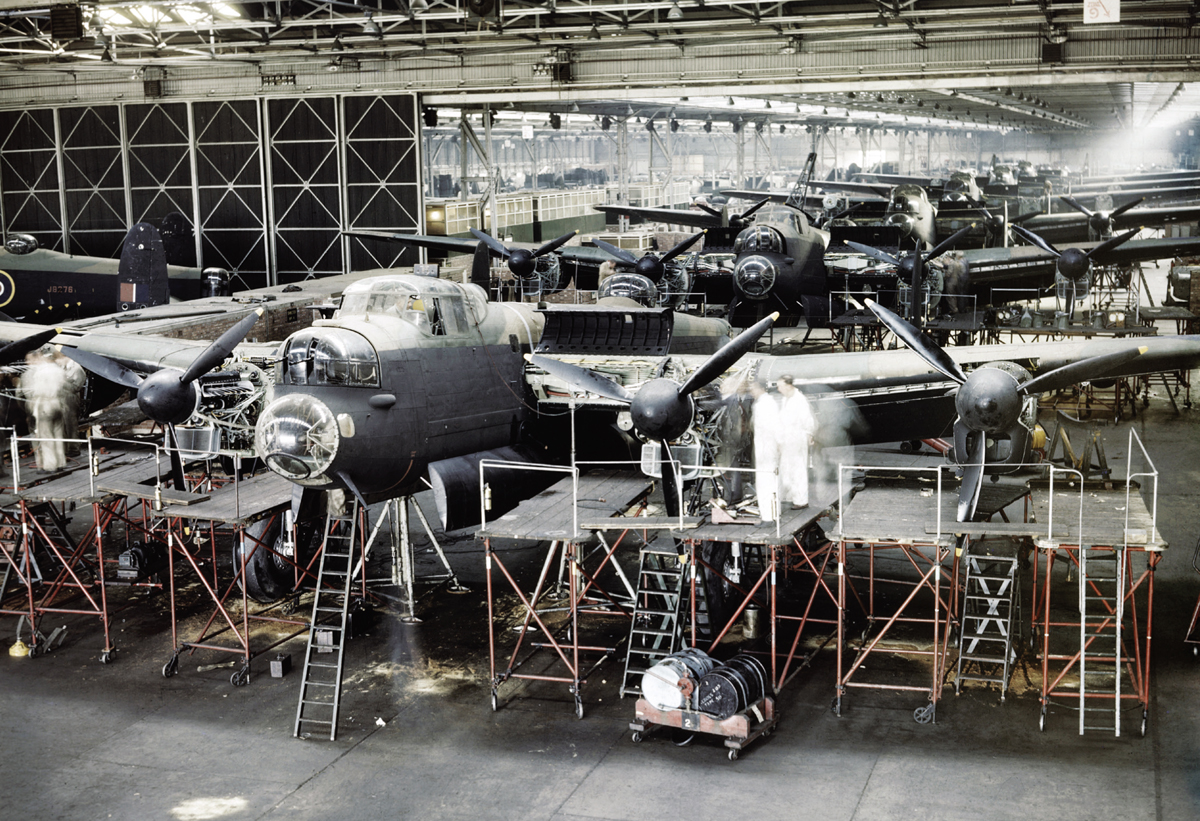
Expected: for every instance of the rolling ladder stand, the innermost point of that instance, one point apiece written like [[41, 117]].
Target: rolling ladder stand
[[1101, 609], [991, 610], [321, 682], [656, 632]]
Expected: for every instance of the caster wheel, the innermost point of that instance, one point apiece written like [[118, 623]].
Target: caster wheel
[[578, 709], [1196, 651], [106, 657], [636, 738], [241, 677], [1042, 721], [924, 715], [171, 667], [1145, 720], [733, 755], [495, 702]]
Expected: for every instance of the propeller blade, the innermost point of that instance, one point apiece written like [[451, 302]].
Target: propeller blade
[[750, 211], [176, 459], [728, 353], [1086, 369], [582, 378], [555, 244], [874, 253], [920, 344], [1029, 236], [849, 210], [103, 366], [620, 254], [491, 242], [948, 243], [15, 350], [1112, 243], [683, 246], [219, 351], [972, 480], [1116, 212], [1074, 203], [1020, 218], [713, 211], [670, 486]]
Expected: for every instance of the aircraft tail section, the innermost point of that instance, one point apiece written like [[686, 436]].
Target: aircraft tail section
[[143, 269]]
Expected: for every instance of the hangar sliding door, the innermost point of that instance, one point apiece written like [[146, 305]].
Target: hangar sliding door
[[32, 200], [383, 182], [269, 184]]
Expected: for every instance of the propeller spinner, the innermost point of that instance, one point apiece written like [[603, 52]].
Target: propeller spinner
[[661, 409], [989, 400], [650, 265]]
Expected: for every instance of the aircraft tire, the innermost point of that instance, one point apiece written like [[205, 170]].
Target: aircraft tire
[[268, 577]]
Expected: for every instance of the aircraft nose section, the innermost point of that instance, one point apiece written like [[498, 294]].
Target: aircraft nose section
[[298, 437], [755, 276]]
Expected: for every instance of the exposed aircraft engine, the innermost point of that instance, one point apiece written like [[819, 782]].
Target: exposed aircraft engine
[[632, 286], [21, 244]]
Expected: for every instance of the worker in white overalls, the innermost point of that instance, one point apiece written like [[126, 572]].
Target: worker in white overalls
[[766, 451], [797, 427]]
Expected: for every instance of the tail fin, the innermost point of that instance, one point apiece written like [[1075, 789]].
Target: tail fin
[[143, 269]]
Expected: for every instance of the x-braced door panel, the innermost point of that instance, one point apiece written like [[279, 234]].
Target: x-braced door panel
[[230, 189], [383, 182], [93, 180], [305, 187], [32, 202], [160, 175]]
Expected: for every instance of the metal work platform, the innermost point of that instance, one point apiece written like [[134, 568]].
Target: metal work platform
[[568, 515]]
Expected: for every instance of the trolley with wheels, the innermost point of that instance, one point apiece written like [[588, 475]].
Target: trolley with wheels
[[739, 730]]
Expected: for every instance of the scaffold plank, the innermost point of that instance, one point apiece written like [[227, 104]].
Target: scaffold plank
[[551, 514]]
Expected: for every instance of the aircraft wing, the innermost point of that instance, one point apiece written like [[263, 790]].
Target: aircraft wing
[[1024, 261], [460, 245], [671, 216], [862, 189]]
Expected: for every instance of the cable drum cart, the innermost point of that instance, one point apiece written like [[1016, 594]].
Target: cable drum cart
[[691, 691]]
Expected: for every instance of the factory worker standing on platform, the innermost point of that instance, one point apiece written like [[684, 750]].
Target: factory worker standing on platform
[[766, 451], [797, 426]]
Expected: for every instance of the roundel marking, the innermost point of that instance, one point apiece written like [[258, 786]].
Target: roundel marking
[[8, 288]]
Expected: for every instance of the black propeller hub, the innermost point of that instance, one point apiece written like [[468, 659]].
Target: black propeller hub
[[164, 398], [1074, 263], [988, 401], [650, 267], [659, 411], [1101, 222], [522, 263]]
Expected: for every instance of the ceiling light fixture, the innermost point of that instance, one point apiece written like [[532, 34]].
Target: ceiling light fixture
[[675, 12], [880, 22], [416, 6], [594, 34], [370, 27]]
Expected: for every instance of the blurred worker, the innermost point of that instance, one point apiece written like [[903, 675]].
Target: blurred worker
[[797, 427], [766, 451]]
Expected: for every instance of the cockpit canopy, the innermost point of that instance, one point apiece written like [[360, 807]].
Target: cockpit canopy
[[759, 239], [330, 357], [907, 199], [435, 306]]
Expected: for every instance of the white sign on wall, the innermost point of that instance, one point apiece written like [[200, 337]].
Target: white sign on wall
[[1101, 11]]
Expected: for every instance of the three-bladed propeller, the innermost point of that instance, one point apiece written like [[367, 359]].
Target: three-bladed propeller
[[521, 261], [1074, 266], [735, 220], [661, 409], [911, 267], [169, 395], [989, 400], [650, 265], [1100, 223]]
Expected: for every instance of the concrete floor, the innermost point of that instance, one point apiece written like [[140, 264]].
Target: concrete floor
[[418, 739]]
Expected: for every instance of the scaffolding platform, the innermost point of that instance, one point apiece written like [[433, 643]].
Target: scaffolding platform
[[1095, 640], [554, 612]]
